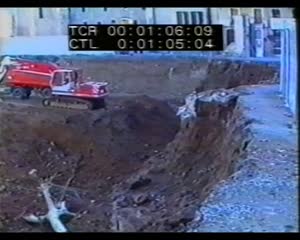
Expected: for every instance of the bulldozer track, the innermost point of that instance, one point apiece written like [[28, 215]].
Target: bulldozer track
[[80, 105], [37, 102], [69, 103], [69, 106]]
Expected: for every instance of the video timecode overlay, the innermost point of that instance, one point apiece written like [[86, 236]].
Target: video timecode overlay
[[146, 37]]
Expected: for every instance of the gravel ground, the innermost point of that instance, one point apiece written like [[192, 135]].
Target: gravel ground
[[262, 196]]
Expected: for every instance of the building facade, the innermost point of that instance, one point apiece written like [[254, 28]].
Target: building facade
[[106, 15], [246, 30], [38, 21], [180, 16]]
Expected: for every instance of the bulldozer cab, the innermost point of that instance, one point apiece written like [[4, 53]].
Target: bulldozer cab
[[64, 77]]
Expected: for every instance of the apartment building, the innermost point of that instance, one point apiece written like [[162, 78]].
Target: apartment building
[[247, 29]]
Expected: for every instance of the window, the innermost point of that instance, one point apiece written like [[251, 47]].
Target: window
[[276, 13], [182, 18], [276, 42], [234, 11], [257, 15], [105, 9], [113, 21], [179, 16], [13, 22], [197, 17], [144, 8], [186, 18], [85, 23], [229, 36], [99, 23], [83, 9], [41, 13]]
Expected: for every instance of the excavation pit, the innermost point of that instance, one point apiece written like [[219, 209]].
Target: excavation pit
[[135, 167]]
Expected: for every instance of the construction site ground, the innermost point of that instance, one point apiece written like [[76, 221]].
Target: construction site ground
[[262, 195], [133, 167]]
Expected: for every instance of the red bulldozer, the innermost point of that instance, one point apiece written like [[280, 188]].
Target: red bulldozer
[[59, 87]]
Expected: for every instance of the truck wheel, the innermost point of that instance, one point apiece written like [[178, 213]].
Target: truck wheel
[[19, 93], [101, 103], [46, 92], [91, 105], [37, 92], [46, 102], [27, 93]]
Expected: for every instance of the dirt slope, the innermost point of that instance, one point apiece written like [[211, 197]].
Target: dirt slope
[[174, 78], [108, 146], [169, 78], [129, 170], [263, 194], [134, 169], [164, 195]]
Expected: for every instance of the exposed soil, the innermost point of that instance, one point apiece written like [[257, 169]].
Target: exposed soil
[[169, 78], [263, 193], [115, 154], [202, 153], [134, 167], [174, 78], [109, 145]]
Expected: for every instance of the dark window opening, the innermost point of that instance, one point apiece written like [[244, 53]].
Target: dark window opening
[[144, 8], [194, 18], [257, 15], [276, 42], [113, 21], [276, 51], [99, 23], [276, 13], [182, 18], [276, 33], [179, 18], [85, 23], [186, 18], [234, 11], [135, 22], [13, 19], [83, 9], [105, 9], [229, 36], [41, 13], [197, 17], [69, 13]]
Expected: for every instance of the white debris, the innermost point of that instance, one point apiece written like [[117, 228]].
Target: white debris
[[55, 211], [32, 172], [188, 110]]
